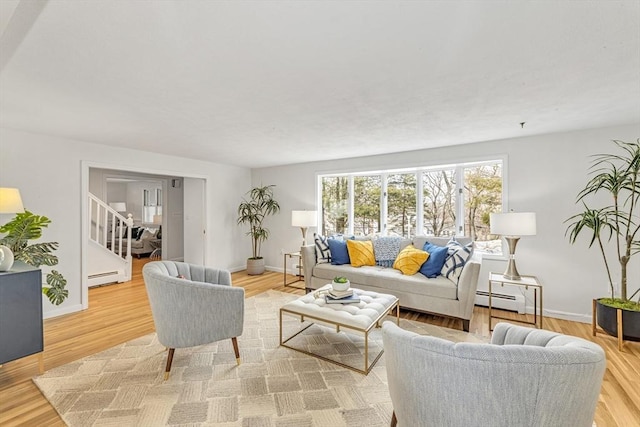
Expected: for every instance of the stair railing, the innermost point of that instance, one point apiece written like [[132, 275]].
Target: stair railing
[[110, 229]]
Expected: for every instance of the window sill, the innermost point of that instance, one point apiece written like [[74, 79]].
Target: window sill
[[492, 257]]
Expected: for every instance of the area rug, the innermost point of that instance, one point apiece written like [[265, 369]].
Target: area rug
[[273, 387]]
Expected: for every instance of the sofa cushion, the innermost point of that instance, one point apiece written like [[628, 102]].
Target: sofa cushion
[[410, 259], [360, 253], [459, 254], [147, 234], [323, 253], [339, 252], [384, 279], [437, 256], [386, 249]]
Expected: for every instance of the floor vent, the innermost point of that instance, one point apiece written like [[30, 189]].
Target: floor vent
[[502, 301]]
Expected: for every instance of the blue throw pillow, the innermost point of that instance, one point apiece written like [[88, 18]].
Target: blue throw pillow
[[437, 257], [339, 252]]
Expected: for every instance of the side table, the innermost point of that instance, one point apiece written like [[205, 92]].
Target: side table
[[526, 282], [156, 244], [299, 276]]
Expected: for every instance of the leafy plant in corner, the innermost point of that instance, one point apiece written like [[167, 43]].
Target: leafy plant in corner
[[253, 212], [23, 228], [618, 176]]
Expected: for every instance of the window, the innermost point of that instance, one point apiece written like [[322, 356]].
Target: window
[[335, 196], [401, 204], [366, 205], [151, 204], [482, 196], [439, 201]]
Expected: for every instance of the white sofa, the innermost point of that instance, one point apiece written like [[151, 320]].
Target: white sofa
[[439, 295]]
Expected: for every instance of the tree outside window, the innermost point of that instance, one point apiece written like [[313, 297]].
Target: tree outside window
[[335, 195], [439, 202], [401, 204], [366, 207], [482, 196]]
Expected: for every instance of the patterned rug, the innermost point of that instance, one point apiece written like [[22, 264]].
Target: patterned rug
[[273, 387]]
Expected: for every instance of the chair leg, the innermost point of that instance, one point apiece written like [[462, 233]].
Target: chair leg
[[465, 325], [234, 340], [394, 420], [169, 360]]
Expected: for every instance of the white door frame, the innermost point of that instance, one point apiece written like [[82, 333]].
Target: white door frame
[[84, 216]]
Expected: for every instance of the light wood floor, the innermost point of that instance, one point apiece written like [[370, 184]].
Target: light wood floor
[[119, 313]]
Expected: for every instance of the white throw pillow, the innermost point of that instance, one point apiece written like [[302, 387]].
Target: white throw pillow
[[323, 254], [458, 256]]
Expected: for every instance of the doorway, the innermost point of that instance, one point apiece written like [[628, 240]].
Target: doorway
[[169, 196]]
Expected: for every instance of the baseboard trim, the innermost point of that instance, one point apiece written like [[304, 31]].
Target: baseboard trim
[[574, 317], [62, 311]]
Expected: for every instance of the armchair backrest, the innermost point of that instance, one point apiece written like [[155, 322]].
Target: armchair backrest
[[524, 377], [198, 309]]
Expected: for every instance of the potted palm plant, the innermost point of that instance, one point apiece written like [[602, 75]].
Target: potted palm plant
[[618, 176], [253, 212]]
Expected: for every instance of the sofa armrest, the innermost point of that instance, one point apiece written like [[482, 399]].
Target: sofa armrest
[[308, 253], [467, 286]]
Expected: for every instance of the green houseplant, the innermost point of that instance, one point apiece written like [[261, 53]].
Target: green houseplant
[[253, 212], [23, 228], [340, 283], [617, 175]]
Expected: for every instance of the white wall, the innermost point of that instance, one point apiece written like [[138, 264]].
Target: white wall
[[544, 174], [173, 219], [48, 172]]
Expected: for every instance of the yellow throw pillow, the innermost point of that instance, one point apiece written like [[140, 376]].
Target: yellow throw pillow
[[361, 252], [410, 259]]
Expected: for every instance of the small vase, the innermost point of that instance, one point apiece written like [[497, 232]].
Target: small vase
[[6, 258], [337, 286]]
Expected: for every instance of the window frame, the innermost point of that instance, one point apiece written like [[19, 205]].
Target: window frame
[[459, 168]]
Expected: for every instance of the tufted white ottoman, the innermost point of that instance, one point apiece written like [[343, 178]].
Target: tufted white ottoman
[[360, 317]]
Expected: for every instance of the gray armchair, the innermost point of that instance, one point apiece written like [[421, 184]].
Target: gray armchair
[[193, 305], [525, 377]]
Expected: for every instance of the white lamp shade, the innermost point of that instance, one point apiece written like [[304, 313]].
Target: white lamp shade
[[304, 218], [118, 206], [157, 219], [10, 201], [513, 223]]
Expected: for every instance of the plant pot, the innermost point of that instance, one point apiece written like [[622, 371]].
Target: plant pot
[[337, 286], [255, 266], [607, 320]]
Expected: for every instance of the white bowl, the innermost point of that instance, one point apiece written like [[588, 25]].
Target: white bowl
[[340, 286]]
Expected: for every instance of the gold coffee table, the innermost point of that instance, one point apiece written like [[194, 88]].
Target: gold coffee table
[[359, 317]]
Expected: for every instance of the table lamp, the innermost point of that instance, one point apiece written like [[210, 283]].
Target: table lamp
[[304, 220], [512, 225], [10, 203]]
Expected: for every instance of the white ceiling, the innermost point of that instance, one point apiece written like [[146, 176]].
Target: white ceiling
[[267, 83]]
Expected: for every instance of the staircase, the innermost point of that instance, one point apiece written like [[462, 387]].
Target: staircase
[[109, 258]]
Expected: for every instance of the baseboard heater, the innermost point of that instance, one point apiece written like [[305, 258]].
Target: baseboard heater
[[501, 301], [108, 273], [103, 278]]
